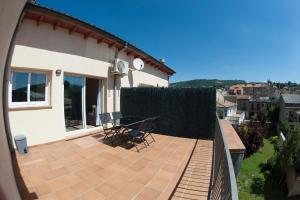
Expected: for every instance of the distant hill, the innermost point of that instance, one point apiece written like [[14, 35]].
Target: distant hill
[[206, 83]]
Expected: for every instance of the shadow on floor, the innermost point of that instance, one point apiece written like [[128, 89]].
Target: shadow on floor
[[123, 142], [23, 190]]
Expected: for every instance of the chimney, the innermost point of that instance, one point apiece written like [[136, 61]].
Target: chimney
[[162, 60]]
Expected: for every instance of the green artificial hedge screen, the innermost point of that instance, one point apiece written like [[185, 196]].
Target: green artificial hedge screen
[[184, 112]]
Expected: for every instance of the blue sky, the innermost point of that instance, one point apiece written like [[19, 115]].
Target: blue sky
[[254, 40]]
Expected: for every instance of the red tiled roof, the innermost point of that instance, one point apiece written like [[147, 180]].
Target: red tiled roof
[[240, 86]]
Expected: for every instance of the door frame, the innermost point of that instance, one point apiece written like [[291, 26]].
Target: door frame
[[83, 102]]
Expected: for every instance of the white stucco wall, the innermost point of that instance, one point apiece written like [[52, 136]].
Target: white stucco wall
[[10, 11], [231, 111], [42, 48]]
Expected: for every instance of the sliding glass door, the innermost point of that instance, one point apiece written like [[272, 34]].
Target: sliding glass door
[[82, 102], [73, 102]]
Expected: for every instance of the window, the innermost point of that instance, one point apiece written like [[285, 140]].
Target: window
[[244, 106], [28, 88], [291, 116]]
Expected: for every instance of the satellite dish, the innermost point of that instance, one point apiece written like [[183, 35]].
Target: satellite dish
[[138, 64]]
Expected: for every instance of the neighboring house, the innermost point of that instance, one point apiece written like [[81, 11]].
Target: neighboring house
[[254, 90], [231, 98], [290, 110], [236, 89], [243, 102], [275, 93], [257, 105], [220, 94], [224, 108], [252, 106], [228, 109], [61, 75], [252, 98], [237, 118]]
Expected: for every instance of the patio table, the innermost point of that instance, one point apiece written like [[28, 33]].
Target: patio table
[[127, 123]]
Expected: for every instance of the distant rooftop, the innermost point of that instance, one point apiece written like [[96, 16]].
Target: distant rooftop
[[254, 85], [261, 99], [243, 97], [225, 104], [291, 98]]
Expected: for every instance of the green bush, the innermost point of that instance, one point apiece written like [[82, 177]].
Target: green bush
[[284, 127], [274, 139], [252, 136], [297, 162], [274, 114], [286, 155]]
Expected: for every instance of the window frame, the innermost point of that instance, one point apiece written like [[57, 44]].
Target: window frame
[[29, 103]]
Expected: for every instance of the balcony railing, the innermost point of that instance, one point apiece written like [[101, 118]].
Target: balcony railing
[[223, 183]]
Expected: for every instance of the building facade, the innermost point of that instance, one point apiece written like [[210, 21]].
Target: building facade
[[256, 90], [227, 108], [60, 76], [290, 110], [252, 106]]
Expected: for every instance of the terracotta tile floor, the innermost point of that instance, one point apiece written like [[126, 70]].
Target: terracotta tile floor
[[86, 168]]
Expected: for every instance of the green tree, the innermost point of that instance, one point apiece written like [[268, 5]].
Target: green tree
[[284, 127], [263, 115], [286, 155], [273, 114]]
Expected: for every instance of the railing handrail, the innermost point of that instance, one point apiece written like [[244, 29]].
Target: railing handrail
[[228, 160], [234, 190]]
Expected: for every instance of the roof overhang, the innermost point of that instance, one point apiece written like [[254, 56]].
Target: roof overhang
[[60, 20]]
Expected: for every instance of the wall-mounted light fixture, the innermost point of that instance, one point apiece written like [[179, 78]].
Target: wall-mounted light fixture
[[58, 72]]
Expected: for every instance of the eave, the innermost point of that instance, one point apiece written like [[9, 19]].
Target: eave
[[60, 20]]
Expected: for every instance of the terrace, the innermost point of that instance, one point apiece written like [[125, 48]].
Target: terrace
[[85, 168], [171, 167]]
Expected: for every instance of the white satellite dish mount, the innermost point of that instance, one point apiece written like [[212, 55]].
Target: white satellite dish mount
[[138, 64]]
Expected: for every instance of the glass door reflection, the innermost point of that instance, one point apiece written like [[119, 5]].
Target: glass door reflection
[[73, 102]]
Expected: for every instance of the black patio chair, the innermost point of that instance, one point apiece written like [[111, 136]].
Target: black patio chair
[[108, 126], [138, 134], [151, 127], [116, 117]]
